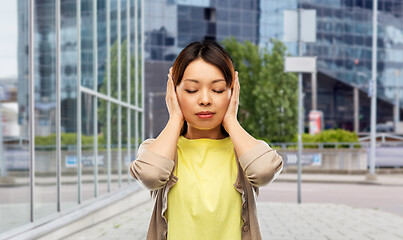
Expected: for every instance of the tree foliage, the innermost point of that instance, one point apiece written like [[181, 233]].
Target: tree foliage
[[102, 108], [268, 96]]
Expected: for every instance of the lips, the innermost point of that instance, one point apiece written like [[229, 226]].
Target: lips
[[205, 114]]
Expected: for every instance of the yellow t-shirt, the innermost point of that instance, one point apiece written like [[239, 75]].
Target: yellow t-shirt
[[204, 204]]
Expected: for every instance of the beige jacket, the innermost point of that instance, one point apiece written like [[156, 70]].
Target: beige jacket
[[257, 167]]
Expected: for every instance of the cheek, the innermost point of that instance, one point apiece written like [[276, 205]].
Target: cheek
[[184, 103], [224, 102]]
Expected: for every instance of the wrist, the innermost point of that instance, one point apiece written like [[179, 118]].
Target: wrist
[[176, 123], [229, 124]]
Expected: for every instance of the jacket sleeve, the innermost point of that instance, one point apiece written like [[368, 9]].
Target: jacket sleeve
[[151, 169], [261, 164]]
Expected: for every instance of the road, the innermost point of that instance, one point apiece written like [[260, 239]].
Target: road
[[386, 198]]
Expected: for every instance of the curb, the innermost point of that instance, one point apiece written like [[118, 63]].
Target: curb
[[363, 182]]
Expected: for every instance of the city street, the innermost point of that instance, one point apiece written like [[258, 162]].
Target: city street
[[282, 219], [385, 198]]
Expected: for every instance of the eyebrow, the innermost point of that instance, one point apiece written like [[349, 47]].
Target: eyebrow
[[214, 81]]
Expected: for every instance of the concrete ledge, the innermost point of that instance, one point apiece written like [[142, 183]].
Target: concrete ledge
[[88, 214]]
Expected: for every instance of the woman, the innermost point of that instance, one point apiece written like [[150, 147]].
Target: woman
[[204, 169]]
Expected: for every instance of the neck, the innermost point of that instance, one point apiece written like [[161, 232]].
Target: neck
[[194, 133]]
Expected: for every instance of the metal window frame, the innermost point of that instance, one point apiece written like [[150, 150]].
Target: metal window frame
[[110, 99], [31, 26], [136, 75], [119, 97], [58, 103], [95, 87], [128, 68], [108, 103], [143, 71], [78, 107]]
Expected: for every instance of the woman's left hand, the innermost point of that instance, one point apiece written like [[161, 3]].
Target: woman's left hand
[[232, 110]]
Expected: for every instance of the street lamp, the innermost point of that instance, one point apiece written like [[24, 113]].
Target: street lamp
[[397, 101], [2, 157], [371, 175]]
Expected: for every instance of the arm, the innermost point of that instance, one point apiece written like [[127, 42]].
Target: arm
[[155, 159], [166, 142], [258, 160], [150, 169]]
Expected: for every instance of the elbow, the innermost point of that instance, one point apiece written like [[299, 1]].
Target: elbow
[[151, 177], [265, 170]]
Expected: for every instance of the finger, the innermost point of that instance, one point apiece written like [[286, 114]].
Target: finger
[[171, 83], [238, 87], [167, 96]]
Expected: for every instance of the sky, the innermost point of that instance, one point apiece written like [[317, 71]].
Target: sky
[[8, 39]]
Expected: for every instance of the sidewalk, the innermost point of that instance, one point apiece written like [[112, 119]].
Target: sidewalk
[[382, 179], [278, 221]]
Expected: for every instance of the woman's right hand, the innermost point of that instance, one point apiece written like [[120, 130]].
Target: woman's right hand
[[166, 142], [171, 100]]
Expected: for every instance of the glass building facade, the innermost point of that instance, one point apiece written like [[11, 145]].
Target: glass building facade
[[343, 46], [83, 82], [71, 101]]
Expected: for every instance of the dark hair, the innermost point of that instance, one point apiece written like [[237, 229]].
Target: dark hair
[[211, 52]]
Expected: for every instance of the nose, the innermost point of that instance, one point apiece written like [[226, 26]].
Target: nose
[[205, 99]]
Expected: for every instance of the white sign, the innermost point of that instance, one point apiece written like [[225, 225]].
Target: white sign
[[300, 64], [308, 25], [86, 160], [314, 159]]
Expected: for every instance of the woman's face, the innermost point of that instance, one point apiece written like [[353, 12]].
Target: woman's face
[[203, 88]]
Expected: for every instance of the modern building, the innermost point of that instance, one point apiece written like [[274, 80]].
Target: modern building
[[83, 83], [71, 106], [343, 50]]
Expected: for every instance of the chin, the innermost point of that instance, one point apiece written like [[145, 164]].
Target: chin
[[204, 126]]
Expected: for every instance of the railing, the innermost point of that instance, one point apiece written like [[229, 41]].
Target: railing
[[363, 143], [383, 137]]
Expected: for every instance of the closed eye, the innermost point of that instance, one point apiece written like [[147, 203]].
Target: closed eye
[[191, 91], [196, 91]]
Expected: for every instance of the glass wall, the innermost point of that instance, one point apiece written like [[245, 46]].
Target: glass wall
[[14, 111], [86, 80], [45, 194], [68, 103]]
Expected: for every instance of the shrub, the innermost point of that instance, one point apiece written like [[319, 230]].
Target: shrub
[[329, 136]]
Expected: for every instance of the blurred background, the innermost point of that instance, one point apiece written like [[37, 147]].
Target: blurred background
[[82, 84]]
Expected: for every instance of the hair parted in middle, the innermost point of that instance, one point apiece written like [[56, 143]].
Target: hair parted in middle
[[211, 52]]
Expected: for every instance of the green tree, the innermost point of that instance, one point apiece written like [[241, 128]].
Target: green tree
[[102, 108], [268, 97]]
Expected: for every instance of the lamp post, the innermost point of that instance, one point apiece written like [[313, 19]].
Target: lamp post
[[371, 175], [2, 157], [300, 26], [397, 101]]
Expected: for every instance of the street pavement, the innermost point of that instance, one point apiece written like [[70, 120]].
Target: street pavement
[[278, 221], [284, 220], [381, 179]]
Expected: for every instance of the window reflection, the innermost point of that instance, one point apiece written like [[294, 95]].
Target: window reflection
[[14, 119], [45, 195], [68, 105], [15, 183]]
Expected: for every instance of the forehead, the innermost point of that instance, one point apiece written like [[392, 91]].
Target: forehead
[[200, 71]]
